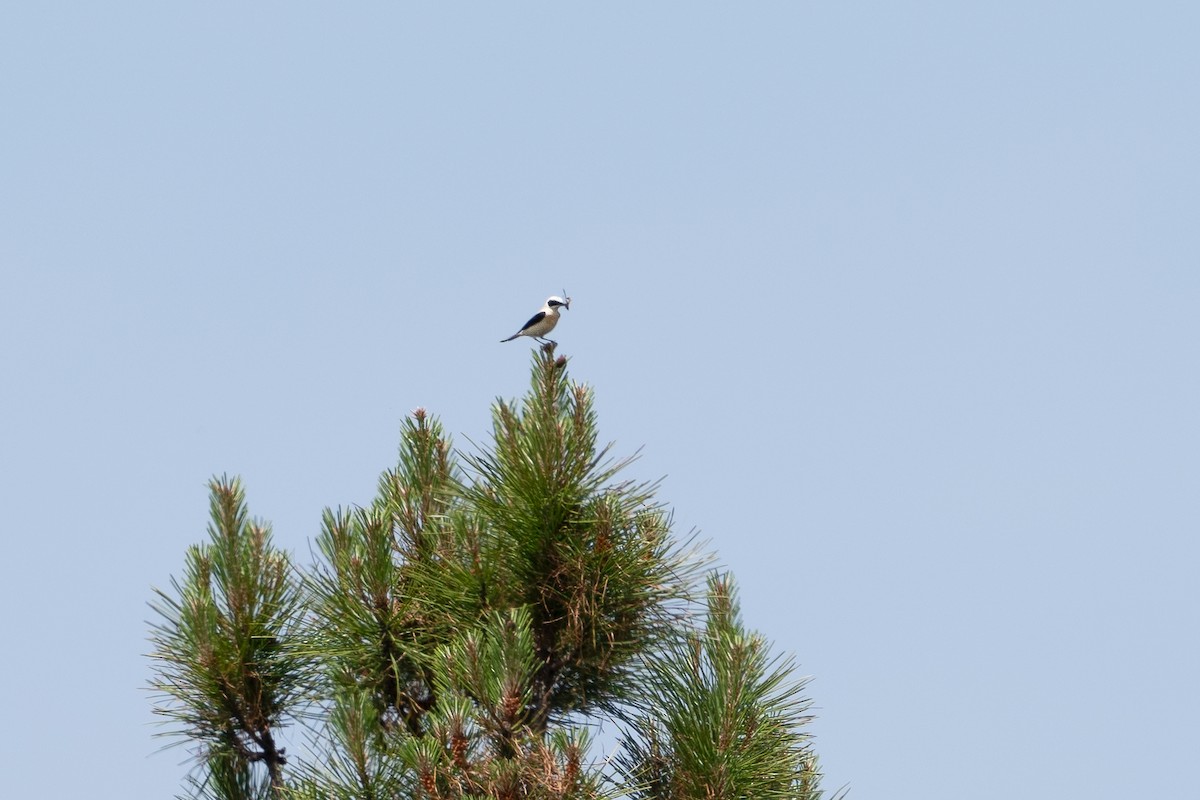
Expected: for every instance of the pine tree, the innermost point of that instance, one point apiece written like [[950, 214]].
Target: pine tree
[[459, 636]]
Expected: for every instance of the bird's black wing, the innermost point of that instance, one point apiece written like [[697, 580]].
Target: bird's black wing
[[534, 320]]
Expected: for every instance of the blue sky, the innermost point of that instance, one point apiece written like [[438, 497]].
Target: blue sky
[[901, 298]]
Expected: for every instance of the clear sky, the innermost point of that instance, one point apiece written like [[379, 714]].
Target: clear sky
[[901, 298]]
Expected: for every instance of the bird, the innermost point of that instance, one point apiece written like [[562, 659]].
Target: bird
[[543, 321]]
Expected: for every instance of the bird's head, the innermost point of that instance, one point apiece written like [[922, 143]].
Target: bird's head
[[556, 302]]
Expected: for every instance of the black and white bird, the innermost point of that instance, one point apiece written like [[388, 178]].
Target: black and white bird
[[543, 321]]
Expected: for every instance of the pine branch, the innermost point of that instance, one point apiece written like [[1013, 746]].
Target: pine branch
[[721, 718], [226, 666]]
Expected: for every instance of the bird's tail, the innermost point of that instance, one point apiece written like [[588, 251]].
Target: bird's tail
[[509, 339]]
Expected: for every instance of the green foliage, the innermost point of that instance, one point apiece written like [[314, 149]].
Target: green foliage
[[223, 655], [455, 632], [721, 719], [591, 558]]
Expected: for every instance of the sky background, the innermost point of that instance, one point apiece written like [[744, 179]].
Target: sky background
[[901, 298]]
